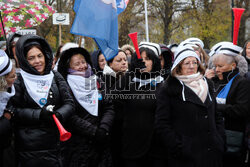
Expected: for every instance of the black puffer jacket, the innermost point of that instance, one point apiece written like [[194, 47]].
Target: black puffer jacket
[[84, 150], [8, 44], [5, 131], [37, 142]]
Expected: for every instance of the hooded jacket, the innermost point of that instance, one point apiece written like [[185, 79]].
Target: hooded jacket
[[137, 106], [191, 130], [8, 44], [37, 142], [83, 150]]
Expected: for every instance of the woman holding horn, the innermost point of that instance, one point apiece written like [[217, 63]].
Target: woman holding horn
[[91, 123], [36, 134]]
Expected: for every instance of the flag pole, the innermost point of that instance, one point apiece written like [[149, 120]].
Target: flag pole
[[146, 19], [80, 41], [60, 34]]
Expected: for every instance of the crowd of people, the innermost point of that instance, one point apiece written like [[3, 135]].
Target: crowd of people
[[177, 105]]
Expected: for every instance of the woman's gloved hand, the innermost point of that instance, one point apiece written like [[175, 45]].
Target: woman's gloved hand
[[102, 136], [46, 115]]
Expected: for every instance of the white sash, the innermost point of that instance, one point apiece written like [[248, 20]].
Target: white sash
[[38, 86], [85, 91], [4, 98], [221, 100], [152, 81]]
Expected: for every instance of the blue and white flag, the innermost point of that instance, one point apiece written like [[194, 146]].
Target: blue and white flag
[[98, 19], [121, 5]]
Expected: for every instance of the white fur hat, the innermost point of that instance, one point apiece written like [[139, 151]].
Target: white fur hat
[[152, 46], [5, 63], [230, 49], [183, 52], [194, 41], [68, 46], [215, 49]]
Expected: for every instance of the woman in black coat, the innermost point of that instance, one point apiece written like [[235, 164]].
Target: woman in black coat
[[36, 134], [7, 90], [136, 92], [233, 104], [91, 123], [186, 117], [98, 61], [113, 71], [166, 58]]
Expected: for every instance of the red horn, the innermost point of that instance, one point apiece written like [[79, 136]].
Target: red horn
[[133, 37], [64, 135], [237, 16]]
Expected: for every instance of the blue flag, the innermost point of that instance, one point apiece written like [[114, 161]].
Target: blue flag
[[98, 19], [121, 5]]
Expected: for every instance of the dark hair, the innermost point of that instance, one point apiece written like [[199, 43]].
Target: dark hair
[[156, 65], [66, 55], [111, 60], [38, 46], [244, 53]]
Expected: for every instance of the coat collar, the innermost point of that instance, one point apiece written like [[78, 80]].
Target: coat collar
[[176, 88]]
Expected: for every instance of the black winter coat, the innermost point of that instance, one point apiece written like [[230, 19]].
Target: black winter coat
[[37, 142], [235, 111], [138, 116], [192, 130], [5, 131], [83, 149]]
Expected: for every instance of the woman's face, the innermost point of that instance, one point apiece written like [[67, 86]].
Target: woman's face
[[162, 61], [78, 63], [101, 61], [147, 61], [248, 50], [189, 66], [120, 63], [11, 77], [221, 65], [36, 59], [128, 53]]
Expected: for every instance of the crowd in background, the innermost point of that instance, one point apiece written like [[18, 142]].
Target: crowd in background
[[178, 105]]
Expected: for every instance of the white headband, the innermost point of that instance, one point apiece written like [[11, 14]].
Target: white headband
[[230, 49], [5, 63], [183, 52], [195, 41], [152, 46]]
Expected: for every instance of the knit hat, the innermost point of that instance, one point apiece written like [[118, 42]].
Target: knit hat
[[215, 49], [152, 46], [183, 52], [194, 41], [230, 49], [5, 63], [68, 46]]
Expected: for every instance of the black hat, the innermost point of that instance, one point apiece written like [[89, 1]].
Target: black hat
[[66, 55]]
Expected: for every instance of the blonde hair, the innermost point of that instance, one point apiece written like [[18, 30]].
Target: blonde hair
[[203, 55], [3, 82]]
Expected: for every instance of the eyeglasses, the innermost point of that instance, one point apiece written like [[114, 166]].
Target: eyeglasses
[[188, 64]]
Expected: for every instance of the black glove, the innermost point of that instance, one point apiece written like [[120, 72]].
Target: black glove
[[101, 136], [140, 64], [46, 115], [58, 115]]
